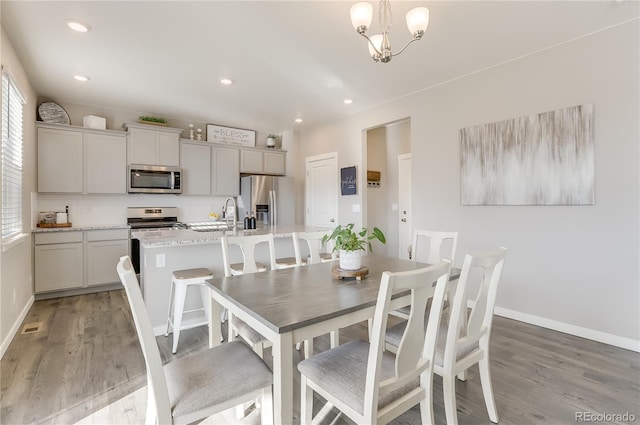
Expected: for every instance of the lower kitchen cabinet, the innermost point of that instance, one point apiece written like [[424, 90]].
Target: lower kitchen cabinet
[[77, 259], [104, 249], [58, 260]]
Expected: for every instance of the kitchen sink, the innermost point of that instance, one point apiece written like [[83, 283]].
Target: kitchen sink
[[208, 226]]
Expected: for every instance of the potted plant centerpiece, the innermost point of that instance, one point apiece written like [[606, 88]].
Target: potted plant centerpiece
[[352, 245]]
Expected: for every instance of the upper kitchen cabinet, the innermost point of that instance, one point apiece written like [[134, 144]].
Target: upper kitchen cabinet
[[209, 169], [153, 145], [262, 161], [81, 160]]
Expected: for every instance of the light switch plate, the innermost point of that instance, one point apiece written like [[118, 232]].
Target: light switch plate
[[394, 207], [355, 208], [160, 260]]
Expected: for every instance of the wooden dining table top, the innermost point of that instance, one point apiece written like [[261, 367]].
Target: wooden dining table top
[[287, 299]]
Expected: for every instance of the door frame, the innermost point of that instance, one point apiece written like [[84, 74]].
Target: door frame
[[404, 203]]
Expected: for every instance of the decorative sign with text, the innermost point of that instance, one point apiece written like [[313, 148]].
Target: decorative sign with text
[[231, 136], [348, 180]]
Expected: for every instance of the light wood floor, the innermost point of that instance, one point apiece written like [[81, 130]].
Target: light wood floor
[[85, 364]]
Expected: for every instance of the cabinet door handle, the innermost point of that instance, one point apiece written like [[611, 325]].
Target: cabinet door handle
[[404, 220], [332, 221]]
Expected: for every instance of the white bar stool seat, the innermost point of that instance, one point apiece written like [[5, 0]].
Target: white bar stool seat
[[180, 282]]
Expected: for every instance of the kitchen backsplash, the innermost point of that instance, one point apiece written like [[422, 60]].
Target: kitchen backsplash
[[85, 210]]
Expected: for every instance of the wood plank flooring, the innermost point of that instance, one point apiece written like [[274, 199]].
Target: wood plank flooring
[[85, 364]]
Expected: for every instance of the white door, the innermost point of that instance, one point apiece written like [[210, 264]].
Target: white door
[[322, 190], [405, 226]]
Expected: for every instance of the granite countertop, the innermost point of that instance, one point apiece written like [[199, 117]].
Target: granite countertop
[[181, 237], [80, 228]]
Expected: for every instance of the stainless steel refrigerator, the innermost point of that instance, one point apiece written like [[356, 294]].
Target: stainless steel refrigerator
[[270, 198]]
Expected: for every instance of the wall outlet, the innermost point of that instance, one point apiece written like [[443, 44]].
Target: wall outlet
[[15, 296], [160, 260]]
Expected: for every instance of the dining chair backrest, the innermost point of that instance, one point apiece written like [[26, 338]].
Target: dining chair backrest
[[313, 242], [414, 358], [155, 373], [247, 246], [468, 345], [434, 240], [488, 269]]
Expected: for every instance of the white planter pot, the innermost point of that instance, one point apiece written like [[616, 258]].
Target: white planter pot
[[271, 142], [350, 260]]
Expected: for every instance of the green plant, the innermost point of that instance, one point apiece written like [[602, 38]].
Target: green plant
[[272, 136], [345, 238], [153, 119]]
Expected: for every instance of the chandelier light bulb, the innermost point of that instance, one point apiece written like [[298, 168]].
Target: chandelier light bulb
[[375, 47], [417, 21], [361, 16]]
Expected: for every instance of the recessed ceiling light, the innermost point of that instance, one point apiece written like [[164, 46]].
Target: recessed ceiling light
[[226, 81], [298, 120], [348, 101], [81, 78], [78, 26]]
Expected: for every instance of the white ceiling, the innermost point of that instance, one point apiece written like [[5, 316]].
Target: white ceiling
[[288, 58]]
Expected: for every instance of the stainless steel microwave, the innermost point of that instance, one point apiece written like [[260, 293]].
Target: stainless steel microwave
[[154, 179]]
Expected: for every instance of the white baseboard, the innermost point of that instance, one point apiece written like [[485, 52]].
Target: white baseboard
[[16, 327], [607, 338]]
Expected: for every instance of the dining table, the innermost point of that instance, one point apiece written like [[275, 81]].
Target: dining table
[[297, 304]]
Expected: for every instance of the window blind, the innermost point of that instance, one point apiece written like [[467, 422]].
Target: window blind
[[12, 172]]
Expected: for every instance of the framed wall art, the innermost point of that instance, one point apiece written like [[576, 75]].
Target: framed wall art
[[544, 159], [348, 180], [231, 136]]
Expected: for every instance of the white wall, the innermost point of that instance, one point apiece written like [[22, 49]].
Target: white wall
[[572, 268], [16, 293]]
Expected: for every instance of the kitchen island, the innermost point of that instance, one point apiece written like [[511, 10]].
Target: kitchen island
[[167, 250]]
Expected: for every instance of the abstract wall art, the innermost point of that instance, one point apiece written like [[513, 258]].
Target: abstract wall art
[[543, 159]]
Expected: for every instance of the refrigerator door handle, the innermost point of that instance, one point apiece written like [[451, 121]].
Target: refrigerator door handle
[[274, 208]]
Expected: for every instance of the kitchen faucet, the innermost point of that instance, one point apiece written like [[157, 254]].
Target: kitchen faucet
[[234, 212]]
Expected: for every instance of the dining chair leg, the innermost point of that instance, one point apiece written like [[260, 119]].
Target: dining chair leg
[[266, 411], [449, 391], [335, 338], [426, 404], [308, 348], [230, 332], [306, 405], [487, 388]]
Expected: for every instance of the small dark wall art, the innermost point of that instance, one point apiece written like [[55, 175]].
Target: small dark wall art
[[348, 180], [544, 159]]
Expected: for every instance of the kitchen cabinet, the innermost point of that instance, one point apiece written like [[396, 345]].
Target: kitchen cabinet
[[77, 259], [262, 161], [225, 174], [81, 160], [104, 249], [209, 169], [153, 145], [58, 259]]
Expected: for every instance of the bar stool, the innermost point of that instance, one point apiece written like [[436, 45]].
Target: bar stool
[[289, 262], [180, 282]]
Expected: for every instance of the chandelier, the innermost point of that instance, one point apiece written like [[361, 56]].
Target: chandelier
[[379, 44]]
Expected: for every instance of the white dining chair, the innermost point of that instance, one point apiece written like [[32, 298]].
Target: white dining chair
[[195, 387], [368, 384], [428, 246], [312, 241], [460, 346], [247, 245]]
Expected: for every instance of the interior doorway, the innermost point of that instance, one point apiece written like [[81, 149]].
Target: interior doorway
[[383, 144]]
